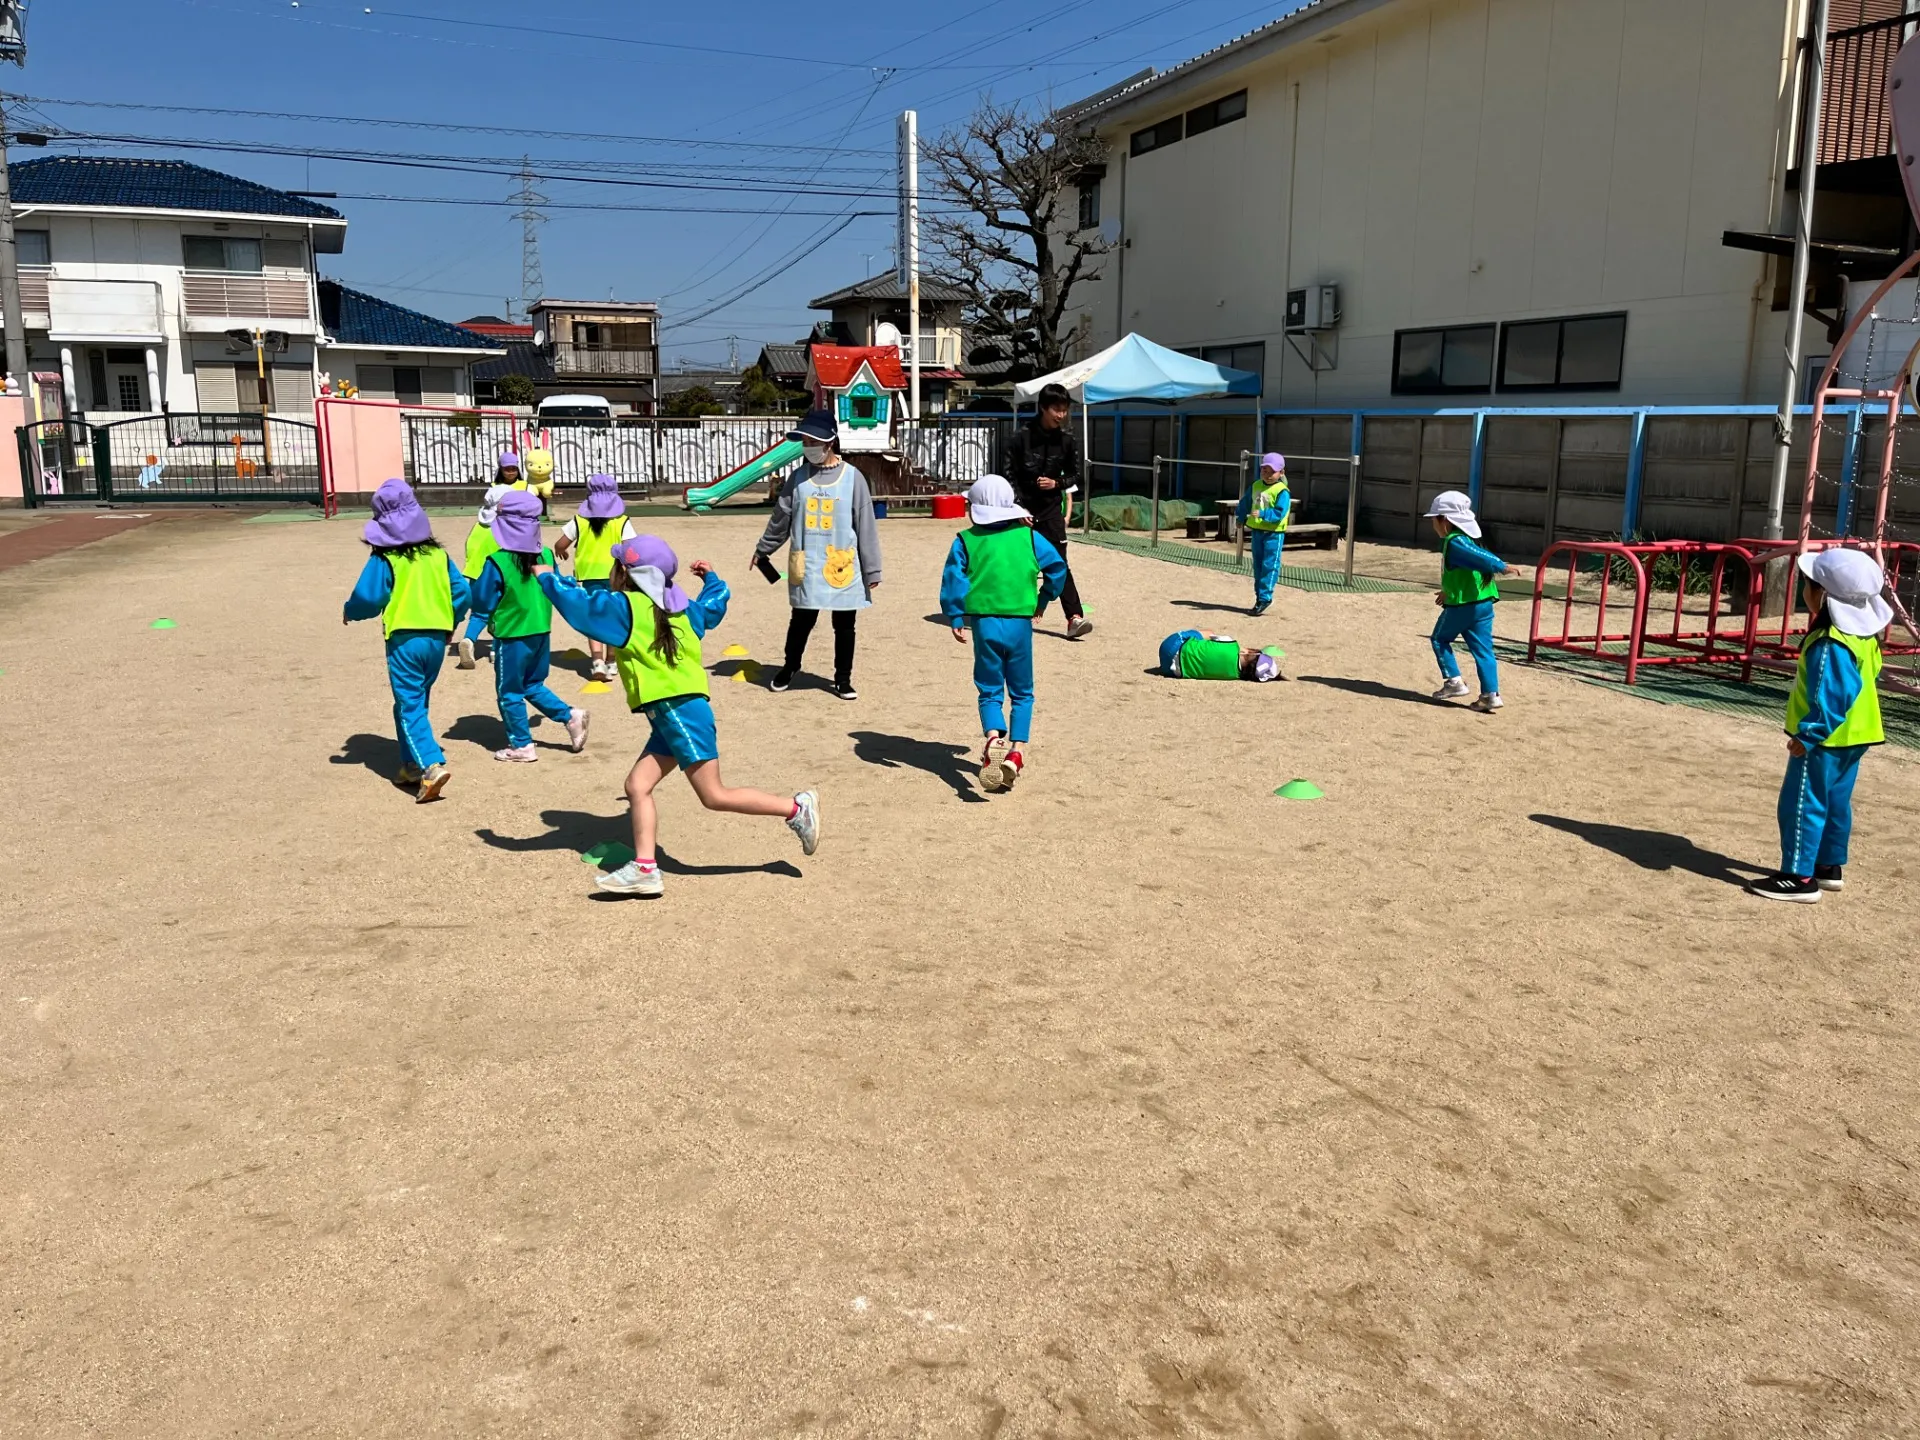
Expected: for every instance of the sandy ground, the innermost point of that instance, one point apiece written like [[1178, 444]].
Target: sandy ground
[[1472, 1100]]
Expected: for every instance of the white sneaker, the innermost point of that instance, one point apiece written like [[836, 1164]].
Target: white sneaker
[[805, 821], [1454, 689], [630, 879], [518, 755], [990, 754], [466, 653], [1487, 704], [577, 729], [1079, 626]]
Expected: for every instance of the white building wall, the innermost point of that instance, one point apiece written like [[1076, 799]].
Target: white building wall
[[1456, 161]]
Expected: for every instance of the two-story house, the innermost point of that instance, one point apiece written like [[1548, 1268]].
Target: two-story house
[[861, 310], [143, 281], [609, 348]]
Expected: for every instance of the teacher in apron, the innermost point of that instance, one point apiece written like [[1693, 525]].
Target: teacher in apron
[[824, 515]]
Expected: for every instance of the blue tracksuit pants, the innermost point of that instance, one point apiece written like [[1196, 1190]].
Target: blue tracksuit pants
[[520, 674], [413, 664], [1475, 624], [1266, 546], [1003, 672], [1816, 807]]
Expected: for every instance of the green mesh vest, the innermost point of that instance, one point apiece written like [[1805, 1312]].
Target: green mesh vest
[[1461, 586], [422, 596], [524, 608], [1210, 660], [1265, 497], [1003, 574], [480, 544], [593, 554], [647, 677], [1862, 723]]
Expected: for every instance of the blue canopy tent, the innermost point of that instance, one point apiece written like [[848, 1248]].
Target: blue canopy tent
[[1134, 368]]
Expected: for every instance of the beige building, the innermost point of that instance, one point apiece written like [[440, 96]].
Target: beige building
[[1516, 202]]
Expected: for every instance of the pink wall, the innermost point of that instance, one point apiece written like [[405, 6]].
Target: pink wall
[[363, 444], [13, 414]]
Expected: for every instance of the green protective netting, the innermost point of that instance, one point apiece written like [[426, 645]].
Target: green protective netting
[[1215, 555], [1718, 688], [1135, 512]]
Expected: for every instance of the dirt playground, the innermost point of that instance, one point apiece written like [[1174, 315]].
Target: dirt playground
[[1474, 1099]]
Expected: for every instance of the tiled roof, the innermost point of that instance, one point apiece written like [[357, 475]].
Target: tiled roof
[[836, 365], [151, 185], [355, 318], [887, 287], [495, 328], [1085, 109], [784, 359], [522, 358]]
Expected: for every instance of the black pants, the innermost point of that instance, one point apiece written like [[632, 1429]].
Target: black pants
[[801, 626], [1054, 527]]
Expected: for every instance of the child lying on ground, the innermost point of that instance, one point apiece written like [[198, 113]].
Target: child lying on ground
[[1193, 656]]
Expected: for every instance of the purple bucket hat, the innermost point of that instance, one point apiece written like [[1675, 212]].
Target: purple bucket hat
[[508, 457], [652, 563], [397, 517], [1274, 461], [516, 524], [603, 500]]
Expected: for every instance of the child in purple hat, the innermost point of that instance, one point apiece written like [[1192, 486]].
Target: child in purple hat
[[656, 650], [416, 588], [521, 617], [590, 537]]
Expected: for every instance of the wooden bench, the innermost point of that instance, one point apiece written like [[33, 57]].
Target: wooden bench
[[1318, 537]]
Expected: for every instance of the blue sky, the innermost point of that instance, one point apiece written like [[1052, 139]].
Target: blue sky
[[745, 107]]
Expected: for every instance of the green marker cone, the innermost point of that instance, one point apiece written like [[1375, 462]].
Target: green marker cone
[[610, 853], [1275, 651], [163, 624], [1300, 790]]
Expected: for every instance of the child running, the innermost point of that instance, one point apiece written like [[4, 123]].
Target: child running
[[1190, 655], [656, 650], [999, 575], [1263, 511], [415, 587], [1833, 717], [521, 617], [480, 544], [590, 537], [1466, 598]]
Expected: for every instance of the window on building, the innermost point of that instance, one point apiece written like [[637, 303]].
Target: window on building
[[1239, 357], [221, 252], [33, 247], [1580, 353], [1453, 360], [284, 254], [1216, 113], [1158, 137], [1090, 203], [407, 388]]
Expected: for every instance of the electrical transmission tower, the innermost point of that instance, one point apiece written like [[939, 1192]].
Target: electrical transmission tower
[[531, 217]]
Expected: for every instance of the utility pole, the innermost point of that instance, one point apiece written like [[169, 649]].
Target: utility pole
[[533, 282], [13, 47], [1810, 100]]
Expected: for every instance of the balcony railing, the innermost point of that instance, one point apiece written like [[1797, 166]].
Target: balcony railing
[[1854, 122], [570, 359], [33, 288], [938, 352], [227, 293]]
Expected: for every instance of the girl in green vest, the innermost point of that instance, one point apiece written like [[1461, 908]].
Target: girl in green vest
[[999, 575], [521, 617], [1190, 655], [480, 544], [654, 631], [1833, 718], [414, 586], [590, 537], [1466, 598]]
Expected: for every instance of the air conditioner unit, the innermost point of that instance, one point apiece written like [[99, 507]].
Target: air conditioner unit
[[1317, 307]]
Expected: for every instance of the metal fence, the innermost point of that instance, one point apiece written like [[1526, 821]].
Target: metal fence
[[194, 455], [639, 451]]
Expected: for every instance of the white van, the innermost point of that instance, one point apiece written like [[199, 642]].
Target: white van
[[575, 412]]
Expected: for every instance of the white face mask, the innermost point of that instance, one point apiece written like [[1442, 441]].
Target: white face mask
[[816, 454]]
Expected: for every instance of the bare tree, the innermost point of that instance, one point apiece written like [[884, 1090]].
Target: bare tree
[[1004, 177]]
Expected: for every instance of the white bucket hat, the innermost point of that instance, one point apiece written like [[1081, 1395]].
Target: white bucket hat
[[490, 506], [1454, 507], [1853, 582], [990, 501]]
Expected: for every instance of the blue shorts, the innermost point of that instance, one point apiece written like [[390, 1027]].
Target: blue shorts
[[682, 730]]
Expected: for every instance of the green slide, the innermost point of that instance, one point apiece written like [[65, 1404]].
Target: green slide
[[705, 497]]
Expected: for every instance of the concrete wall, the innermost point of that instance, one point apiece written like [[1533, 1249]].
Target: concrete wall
[[1456, 161]]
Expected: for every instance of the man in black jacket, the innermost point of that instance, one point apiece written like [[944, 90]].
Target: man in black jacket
[[1042, 461]]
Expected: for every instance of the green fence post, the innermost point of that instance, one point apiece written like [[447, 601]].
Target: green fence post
[[102, 464]]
